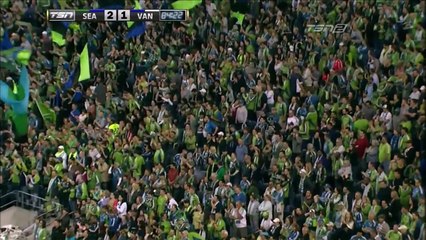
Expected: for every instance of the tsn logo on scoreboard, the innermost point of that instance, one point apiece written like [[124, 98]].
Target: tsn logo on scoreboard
[[61, 15]]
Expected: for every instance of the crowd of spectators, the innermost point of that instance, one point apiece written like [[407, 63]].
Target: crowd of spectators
[[217, 129]]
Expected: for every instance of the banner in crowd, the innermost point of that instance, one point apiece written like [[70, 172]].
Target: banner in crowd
[[17, 98], [58, 38], [239, 16], [48, 114], [185, 4], [84, 65]]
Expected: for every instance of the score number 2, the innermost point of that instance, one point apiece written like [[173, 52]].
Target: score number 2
[[110, 15]]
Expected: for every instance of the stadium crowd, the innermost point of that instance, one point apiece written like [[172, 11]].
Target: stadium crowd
[[220, 129]]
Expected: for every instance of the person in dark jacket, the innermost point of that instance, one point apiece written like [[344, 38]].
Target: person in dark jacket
[[275, 229], [114, 224], [57, 232], [93, 231]]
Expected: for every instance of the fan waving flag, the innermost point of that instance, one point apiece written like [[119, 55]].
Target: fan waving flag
[[239, 16], [137, 7], [84, 65], [17, 98], [58, 38], [18, 54]]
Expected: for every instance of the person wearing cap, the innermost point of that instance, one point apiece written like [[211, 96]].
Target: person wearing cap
[[62, 156], [275, 229]]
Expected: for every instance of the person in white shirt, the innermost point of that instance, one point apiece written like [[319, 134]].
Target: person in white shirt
[[241, 113], [121, 206], [266, 223], [307, 77], [172, 202], [93, 151], [266, 206], [292, 120], [386, 117], [239, 216], [346, 170], [339, 148], [270, 95], [415, 94]]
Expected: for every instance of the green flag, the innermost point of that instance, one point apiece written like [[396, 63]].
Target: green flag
[[186, 4], [48, 114], [84, 65], [23, 56], [58, 38], [137, 7], [238, 16]]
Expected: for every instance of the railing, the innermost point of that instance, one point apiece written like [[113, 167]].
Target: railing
[[46, 209]]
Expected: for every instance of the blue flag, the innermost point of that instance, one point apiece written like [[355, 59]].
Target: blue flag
[[5, 42], [136, 30]]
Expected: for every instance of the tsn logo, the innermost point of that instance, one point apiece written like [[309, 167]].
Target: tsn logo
[[58, 15], [319, 28]]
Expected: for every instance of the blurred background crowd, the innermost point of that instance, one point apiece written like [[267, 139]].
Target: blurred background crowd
[[244, 122]]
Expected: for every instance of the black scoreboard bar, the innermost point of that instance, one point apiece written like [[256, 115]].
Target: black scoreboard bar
[[113, 15]]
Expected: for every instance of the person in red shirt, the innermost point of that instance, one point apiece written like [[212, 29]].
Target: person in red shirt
[[172, 174], [337, 65], [360, 145]]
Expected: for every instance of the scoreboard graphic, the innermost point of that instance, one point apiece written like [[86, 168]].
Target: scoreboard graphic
[[113, 15]]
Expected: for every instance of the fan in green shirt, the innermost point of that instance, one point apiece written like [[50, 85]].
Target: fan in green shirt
[[394, 234], [312, 119], [402, 144], [384, 151], [166, 226], [42, 232], [218, 225], [190, 141], [406, 217], [405, 193], [59, 168], [94, 178], [138, 164], [81, 190], [161, 203], [221, 171]]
